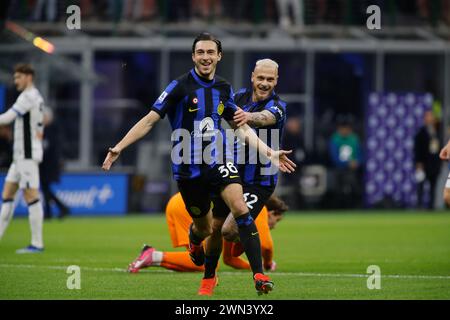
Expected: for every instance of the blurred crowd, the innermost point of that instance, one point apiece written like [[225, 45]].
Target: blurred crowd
[[282, 12]]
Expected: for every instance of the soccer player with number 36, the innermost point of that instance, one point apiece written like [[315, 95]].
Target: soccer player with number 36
[[195, 104]]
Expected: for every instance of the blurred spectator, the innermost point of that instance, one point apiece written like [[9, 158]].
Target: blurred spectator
[[95, 9], [292, 140], [328, 11], [287, 6], [433, 11], [137, 10], [345, 153], [50, 10], [51, 165], [206, 10], [177, 10], [240, 11], [426, 157], [6, 142]]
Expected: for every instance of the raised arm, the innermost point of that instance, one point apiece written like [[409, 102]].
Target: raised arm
[[139, 130], [445, 152], [7, 117], [278, 158]]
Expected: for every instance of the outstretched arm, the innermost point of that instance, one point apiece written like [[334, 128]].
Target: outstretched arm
[[445, 152], [254, 119], [278, 158], [139, 130], [7, 117]]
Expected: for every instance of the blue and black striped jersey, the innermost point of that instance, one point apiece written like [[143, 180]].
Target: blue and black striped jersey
[[251, 169], [195, 106]]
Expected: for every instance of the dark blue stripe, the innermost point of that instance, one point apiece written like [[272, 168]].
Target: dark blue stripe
[[200, 81], [244, 221], [215, 104], [18, 112], [249, 173]]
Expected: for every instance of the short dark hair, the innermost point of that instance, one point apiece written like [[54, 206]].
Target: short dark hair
[[277, 205], [24, 68], [205, 36]]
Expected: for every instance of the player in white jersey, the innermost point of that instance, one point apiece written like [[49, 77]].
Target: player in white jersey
[[27, 115], [445, 155]]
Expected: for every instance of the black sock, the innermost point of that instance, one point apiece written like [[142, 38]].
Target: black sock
[[210, 266], [193, 237], [250, 241]]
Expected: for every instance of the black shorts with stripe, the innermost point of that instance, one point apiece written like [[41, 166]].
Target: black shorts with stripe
[[255, 196], [198, 193]]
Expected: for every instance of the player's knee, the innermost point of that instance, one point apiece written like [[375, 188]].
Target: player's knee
[[239, 208], [217, 227], [8, 193], [447, 197], [228, 234], [204, 231], [31, 195]]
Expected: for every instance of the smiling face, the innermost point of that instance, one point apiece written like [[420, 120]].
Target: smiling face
[[206, 57], [264, 80]]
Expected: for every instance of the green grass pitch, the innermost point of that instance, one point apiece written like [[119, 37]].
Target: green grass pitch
[[319, 256]]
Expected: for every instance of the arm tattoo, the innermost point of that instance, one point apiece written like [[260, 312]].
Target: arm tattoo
[[262, 119]]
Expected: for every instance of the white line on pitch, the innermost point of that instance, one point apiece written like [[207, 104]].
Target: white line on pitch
[[299, 274]]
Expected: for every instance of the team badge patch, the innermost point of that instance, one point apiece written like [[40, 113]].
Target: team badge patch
[[220, 108], [278, 110]]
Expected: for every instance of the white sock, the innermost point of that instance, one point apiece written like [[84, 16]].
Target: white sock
[[6, 213], [36, 217], [157, 257]]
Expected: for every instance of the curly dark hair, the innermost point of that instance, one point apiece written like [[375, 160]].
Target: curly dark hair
[[277, 205], [24, 68], [205, 36]]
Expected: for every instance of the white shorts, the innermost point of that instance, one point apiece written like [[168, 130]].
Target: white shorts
[[25, 173], [447, 184]]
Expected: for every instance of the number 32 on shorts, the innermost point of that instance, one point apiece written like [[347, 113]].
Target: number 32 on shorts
[[250, 199]]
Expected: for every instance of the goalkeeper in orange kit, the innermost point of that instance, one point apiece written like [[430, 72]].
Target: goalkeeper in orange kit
[[178, 221]]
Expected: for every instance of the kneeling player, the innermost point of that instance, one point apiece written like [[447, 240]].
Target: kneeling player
[[447, 190], [178, 221], [445, 155]]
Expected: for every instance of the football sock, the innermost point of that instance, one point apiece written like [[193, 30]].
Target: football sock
[[250, 240], [157, 257], [193, 237], [210, 266], [36, 217], [6, 213], [234, 262]]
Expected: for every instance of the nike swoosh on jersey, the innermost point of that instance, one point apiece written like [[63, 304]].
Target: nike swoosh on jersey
[[192, 110], [254, 233], [234, 177]]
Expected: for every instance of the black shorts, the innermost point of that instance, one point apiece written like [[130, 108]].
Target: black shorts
[[198, 193], [255, 196]]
